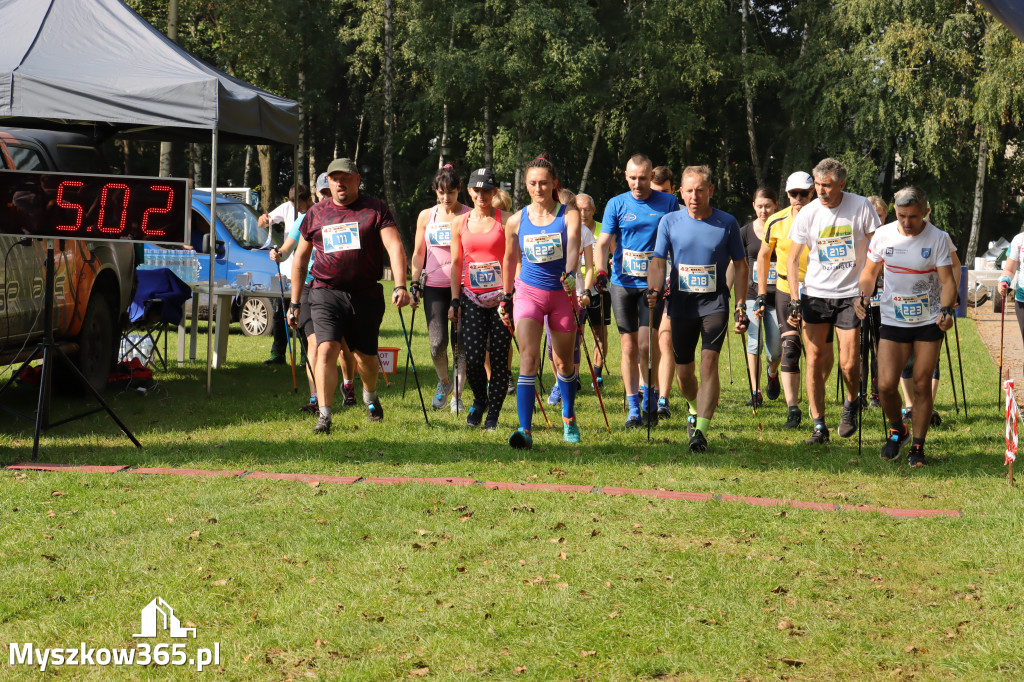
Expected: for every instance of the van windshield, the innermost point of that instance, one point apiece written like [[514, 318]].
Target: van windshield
[[243, 224]]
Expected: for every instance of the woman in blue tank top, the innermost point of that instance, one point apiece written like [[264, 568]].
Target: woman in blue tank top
[[544, 239]]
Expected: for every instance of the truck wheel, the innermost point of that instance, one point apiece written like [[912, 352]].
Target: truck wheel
[[97, 348], [255, 317]]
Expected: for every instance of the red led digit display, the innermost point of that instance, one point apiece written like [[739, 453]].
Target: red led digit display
[[155, 210], [95, 207], [66, 204]]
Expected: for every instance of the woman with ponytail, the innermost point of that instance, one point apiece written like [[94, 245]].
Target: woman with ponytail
[[431, 275], [544, 238]]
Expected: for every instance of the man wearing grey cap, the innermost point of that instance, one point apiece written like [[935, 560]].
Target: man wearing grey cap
[[350, 234]]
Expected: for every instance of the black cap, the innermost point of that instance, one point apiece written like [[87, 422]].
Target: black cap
[[482, 178]]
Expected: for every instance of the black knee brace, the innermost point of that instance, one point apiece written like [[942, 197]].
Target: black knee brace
[[790, 355]]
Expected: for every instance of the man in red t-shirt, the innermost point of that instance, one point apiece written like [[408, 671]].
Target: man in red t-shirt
[[346, 300]]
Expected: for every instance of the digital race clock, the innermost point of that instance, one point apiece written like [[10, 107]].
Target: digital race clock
[[94, 207]]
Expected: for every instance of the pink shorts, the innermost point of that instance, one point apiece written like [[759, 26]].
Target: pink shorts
[[531, 302]]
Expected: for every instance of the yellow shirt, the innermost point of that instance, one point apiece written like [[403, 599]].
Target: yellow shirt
[[776, 236]]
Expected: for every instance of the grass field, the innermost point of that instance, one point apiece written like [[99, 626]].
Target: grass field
[[369, 582]]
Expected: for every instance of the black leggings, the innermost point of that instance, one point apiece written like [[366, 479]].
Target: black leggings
[[436, 301], [483, 332]]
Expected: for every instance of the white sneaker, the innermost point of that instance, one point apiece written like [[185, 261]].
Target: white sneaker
[[461, 408], [441, 394]]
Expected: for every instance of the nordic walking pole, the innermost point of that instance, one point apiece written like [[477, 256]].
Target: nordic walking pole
[[960, 362], [540, 402], [586, 352], [1002, 326], [287, 335], [455, 364], [952, 377], [757, 364], [865, 339], [415, 376], [728, 342], [412, 325]]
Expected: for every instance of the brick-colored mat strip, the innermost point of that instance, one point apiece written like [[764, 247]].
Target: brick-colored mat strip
[[490, 485]]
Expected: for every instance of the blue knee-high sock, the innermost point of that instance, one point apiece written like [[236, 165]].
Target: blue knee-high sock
[[634, 404], [526, 393], [567, 385]]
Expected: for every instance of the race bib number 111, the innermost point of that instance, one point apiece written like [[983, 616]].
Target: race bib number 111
[[340, 237]]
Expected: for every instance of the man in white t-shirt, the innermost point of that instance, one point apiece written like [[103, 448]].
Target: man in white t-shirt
[[917, 308], [834, 229]]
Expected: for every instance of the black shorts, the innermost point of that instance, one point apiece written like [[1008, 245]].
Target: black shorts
[[341, 316], [631, 311], [782, 300], [837, 312], [599, 312], [924, 332], [305, 319], [711, 329]]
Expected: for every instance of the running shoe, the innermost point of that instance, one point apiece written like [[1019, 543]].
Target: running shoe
[[633, 422], [698, 443], [274, 360], [651, 417], [521, 439], [848, 421], [936, 418], [374, 412], [441, 394], [600, 383], [663, 411], [310, 408], [452, 405], [349, 391], [555, 396], [875, 402], [570, 430], [794, 418], [691, 425], [908, 417], [774, 388], [475, 414], [756, 400], [895, 443], [819, 436], [512, 381], [491, 424], [916, 458], [323, 424]]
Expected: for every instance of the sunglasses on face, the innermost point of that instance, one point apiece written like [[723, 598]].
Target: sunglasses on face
[[802, 193]]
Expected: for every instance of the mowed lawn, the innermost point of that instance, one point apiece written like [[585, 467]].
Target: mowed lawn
[[320, 581]]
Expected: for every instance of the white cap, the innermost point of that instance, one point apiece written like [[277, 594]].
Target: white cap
[[799, 180]]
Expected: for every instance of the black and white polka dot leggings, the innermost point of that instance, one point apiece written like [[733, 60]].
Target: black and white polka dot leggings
[[483, 332]]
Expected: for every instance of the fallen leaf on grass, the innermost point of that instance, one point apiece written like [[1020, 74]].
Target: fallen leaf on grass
[[792, 662], [465, 517], [419, 672], [460, 569], [780, 590], [169, 519], [194, 535], [613, 614], [910, 649], [314, 484], [57, 493], [221, 583], [461, 507], [785, 624], [519, 669], [585, 654], [51, 513], [48, 557], [421, 532], [563, 556], [594, 533], [311, 581]]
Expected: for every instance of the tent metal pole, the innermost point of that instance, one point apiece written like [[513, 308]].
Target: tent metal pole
[[213, 261]]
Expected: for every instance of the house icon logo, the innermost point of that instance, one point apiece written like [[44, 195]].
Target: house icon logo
[[158, 614]]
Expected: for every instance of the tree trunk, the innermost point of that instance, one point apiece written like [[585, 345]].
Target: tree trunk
[[266, 176], [247, 170], [519, 187], [312, 165], [389, 108], [197, 165], [166, 149], [979, 195], [593, 150], [444, 136], [748, 92], [359, 135], [787, 158], [488, 133]]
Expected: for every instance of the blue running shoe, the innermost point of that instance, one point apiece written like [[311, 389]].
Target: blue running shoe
[[475, 414], [521, 439], [555, 396], [570, 431]]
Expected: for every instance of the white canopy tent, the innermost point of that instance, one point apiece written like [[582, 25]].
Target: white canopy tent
[[96, 64]]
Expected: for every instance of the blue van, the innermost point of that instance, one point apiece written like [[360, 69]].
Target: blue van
[[240, 253]]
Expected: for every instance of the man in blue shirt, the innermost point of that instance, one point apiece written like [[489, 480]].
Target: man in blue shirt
[[631, 224], [701, 241]]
